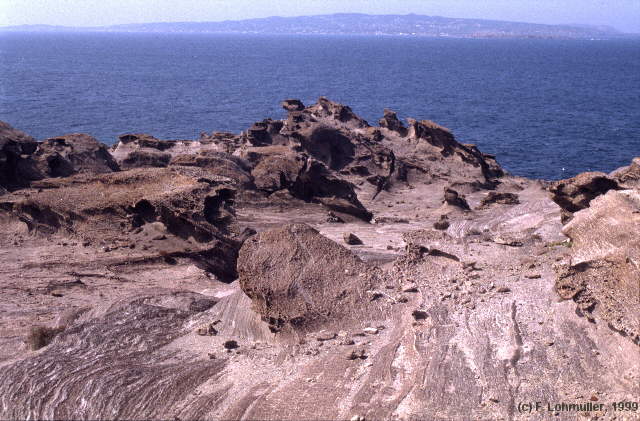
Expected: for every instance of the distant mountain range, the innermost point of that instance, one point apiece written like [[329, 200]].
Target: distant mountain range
[[357, 24]]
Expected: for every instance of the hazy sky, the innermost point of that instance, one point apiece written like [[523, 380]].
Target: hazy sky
[[621, 14]]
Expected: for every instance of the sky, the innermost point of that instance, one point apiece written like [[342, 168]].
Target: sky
[[623, 15]]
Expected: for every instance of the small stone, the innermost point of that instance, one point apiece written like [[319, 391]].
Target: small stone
[[357, 418], [356, 354], [207, 330], [212, 356], [347, 342], [371, 330], [326, 336], [532, 275], [159, 237], [593, 398], [352, 239], [504, 289], [442, 224], [106, 249], [229, 345], [507, 242], [402, 299], [334, 219], [419, 314], [410, 288]]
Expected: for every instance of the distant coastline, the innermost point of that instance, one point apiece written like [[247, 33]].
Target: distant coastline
[[356, 24]]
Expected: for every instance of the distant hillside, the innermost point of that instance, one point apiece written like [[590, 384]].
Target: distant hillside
[[360, 24]]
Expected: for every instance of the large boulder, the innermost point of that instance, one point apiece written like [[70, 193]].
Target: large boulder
[[604, 275], [301, 280], [576, 193]]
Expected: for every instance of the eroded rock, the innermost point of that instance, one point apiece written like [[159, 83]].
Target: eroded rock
[[604, 276], [296, 278], [17, 169], [576, 193], [453, 198], [73, 153]]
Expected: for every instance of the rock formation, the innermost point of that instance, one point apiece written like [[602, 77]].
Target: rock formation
[[16, 169], [291, 274], [604, 276], [628, 177], [576, 193], [211, 279]]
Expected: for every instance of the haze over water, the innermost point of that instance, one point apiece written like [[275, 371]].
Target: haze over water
[[539, 105]]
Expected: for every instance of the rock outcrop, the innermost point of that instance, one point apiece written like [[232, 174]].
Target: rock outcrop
[[628, 177], [23, 159], [604, 276], [576, 193], [73, 153], [16, 169], [180, 206], [238, 276]]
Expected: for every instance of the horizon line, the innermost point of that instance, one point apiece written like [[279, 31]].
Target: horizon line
[[573, 25]]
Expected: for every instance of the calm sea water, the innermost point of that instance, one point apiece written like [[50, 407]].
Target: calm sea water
[[546, 108]]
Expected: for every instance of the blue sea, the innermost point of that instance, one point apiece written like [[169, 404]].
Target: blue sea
[[547, 108]]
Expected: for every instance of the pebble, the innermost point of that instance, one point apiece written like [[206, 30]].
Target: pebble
[[410, 288], [230, 345], [356, 354], [207, 330], [419, 314], [371, 330], [326, 336]]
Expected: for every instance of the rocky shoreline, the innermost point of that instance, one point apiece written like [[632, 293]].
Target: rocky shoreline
[[316, 267]]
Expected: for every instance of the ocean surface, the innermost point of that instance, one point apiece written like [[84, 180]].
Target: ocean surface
[[547, 108]]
